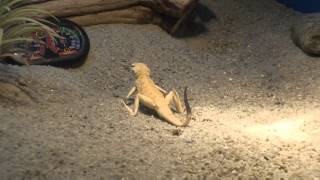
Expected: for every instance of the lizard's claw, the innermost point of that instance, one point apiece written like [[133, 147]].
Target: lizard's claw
[[126, 106], [128, 101], [123, 102]]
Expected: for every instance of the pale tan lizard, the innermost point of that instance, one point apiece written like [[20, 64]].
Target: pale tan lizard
[[153, 97]]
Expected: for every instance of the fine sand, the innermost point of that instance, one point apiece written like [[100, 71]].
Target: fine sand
[[254, 95]]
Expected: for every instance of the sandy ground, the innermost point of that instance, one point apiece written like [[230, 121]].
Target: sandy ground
[[255, 99]]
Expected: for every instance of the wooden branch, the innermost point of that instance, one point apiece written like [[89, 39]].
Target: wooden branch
[[36, 1], [133, 15], [64, 8], [92, 12]]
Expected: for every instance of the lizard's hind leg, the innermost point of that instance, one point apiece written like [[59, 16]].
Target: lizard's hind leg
[[139, 98], [174, 96]]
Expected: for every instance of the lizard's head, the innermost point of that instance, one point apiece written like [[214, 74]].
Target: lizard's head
[[140, 69]]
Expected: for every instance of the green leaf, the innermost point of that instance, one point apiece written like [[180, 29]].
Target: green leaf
[[5, 5], [11, 3], [1, 36], [18, 23], [22, 30], [16, 40], [13, 41], [29, 12], [18, 20], [4, 9]]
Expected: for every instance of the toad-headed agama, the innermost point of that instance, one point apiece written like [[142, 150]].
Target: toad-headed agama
[[156, 98]]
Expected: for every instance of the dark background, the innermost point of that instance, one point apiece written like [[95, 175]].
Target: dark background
[[305, 6]]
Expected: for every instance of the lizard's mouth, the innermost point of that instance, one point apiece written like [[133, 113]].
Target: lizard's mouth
[[133, 66]]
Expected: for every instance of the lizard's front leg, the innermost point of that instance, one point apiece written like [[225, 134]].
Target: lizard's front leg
[[161, 89], [133, 90], [173, 96], [139, 98]]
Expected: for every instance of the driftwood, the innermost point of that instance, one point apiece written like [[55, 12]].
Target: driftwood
[[91, 12], [63, 8], [306, 34], [132, 15]]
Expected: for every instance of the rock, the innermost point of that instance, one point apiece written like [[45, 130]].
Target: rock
[[306, 34]]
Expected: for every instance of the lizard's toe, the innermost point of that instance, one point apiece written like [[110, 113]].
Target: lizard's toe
[[123, 102]]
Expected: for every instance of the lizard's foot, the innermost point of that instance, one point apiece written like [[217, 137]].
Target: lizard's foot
[[129, 101], [126, 101], [127, 107]]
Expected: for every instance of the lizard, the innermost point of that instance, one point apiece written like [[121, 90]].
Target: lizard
[[156, 98]]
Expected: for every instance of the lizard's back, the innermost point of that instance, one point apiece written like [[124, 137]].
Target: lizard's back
[[147, 87]]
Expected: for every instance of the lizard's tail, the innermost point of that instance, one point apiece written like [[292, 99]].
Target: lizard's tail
[[188, 108]]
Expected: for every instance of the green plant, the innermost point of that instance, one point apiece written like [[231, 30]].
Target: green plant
[[17, 23]]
